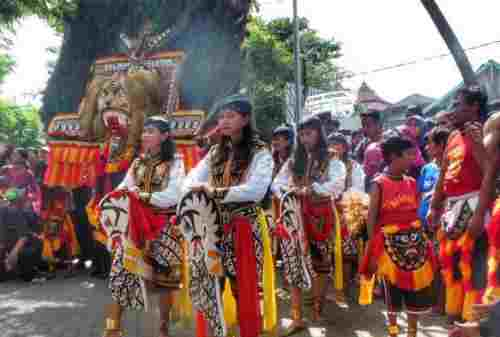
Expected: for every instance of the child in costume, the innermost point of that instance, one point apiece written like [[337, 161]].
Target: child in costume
[[398, 251]]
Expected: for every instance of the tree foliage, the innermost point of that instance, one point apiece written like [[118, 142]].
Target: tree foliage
[[19, 124], [7, 64], [269, 65]]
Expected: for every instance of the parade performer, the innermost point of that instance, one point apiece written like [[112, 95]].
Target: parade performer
[[352, 208], [398, 250], [114, 110], [456, 204], [60, 244], [148, 254], [236, 174], [282, 147], [490, 191], [308, 184]]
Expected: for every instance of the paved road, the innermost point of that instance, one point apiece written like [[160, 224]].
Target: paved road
[[74, 308]]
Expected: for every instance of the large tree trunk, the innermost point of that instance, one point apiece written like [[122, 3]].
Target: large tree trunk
[[210, 32], [451, 41], [92, 33]]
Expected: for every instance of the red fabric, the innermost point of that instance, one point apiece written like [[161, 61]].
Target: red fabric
[[494, 242], [144, 224], [374, 250], [201, 325], [246, 276], [281, 232], [399, 202], [463, 174], [315, 212]]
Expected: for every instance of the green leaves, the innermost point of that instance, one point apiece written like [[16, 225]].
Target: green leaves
[[21, 124], [268, 65], [7, 64]]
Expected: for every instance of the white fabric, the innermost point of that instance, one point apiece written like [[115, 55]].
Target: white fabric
[[253, 187], [166, 198], [357, 178], [333, 186]]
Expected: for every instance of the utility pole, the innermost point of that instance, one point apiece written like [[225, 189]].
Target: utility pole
[[298, 92], [451, 40]]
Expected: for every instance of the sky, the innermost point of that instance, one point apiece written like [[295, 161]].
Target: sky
[[373, 34]]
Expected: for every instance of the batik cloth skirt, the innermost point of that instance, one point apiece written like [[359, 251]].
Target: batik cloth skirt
[[166, 256], [462, 258]]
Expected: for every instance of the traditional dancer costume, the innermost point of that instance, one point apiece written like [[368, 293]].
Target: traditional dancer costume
[[119, 116], [352, 208], [460, 255], [148, 246], [399, 252], [305, 237], [280, 158], [238, 176]]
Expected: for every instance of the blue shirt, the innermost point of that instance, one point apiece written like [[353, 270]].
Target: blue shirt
[[425, 186]]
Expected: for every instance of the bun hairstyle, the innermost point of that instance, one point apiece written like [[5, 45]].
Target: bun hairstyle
[[167, 152]]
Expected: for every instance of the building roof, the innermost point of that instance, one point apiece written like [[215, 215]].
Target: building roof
[[415, 99], [371, 99], [488, 76]]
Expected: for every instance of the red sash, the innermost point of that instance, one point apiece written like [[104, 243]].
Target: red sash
[[143, 224], [246, 276], [315, 212]]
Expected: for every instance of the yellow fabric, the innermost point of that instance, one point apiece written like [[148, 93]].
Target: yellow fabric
[[470, 298], [270, 319], [454, 298], [366, 290], [182, 308], [48, 248], [339, 273], [230, 313], [422, 277], [270, 314]]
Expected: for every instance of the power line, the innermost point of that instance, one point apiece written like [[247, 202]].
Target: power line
[[425, 59]]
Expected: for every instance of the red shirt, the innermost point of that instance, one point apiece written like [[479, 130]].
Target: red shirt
[[399, 200], [463, 174]]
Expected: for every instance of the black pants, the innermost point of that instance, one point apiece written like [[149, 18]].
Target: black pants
[[30, 258], [81, 198]]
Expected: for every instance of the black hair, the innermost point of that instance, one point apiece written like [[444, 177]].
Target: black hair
[[474, 94], [167, 152], [439, 135], [338, 138], [373, 114], [287, 131], [300, 155], [394, 145]]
